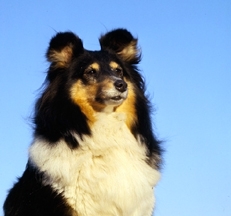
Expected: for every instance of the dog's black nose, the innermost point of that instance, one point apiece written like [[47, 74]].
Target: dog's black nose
[[120, 85]]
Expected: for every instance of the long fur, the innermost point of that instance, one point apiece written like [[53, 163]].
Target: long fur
[[94, 151]]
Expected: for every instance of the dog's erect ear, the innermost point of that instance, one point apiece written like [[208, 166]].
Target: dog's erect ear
[[63, 47], [123, 43]]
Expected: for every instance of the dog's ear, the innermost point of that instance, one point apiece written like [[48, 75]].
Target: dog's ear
[[63, 47], [123, 43]]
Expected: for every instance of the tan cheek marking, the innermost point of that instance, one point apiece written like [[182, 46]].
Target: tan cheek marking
[[80, 96], [128, 106], [105, 86]]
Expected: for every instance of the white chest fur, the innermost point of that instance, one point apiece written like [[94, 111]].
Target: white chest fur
[[106, 175]]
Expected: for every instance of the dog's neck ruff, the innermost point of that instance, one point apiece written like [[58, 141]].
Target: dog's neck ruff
[[106, 175]]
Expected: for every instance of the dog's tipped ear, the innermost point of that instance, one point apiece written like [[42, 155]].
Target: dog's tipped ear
[[63, 47], [123, 43]]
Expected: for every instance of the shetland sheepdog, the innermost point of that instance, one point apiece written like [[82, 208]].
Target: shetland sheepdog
[[94, 151]]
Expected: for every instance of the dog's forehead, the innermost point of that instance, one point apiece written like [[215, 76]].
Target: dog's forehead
[[101, 56]]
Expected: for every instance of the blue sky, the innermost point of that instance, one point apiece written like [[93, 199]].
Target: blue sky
[[186, 62]]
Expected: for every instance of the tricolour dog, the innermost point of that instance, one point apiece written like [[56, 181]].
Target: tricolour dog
[[94, 152]]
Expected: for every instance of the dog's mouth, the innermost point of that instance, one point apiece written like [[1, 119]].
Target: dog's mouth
[[109, 98], [117, 98]]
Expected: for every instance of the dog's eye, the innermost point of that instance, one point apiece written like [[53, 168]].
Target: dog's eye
[[119, 72], [90, 72]]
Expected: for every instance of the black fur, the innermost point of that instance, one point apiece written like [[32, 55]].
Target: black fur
[[30, 197]]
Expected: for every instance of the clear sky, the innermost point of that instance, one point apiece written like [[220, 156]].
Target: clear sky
[[186, 62]]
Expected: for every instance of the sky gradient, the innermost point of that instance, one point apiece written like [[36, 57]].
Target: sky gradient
[[186, 62]]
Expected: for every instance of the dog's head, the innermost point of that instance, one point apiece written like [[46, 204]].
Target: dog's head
[[96, 80], [81, 83]]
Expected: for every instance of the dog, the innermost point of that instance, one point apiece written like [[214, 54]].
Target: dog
[[94, 151]]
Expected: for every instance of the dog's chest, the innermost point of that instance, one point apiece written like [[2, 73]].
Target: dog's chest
[[106, 175]]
